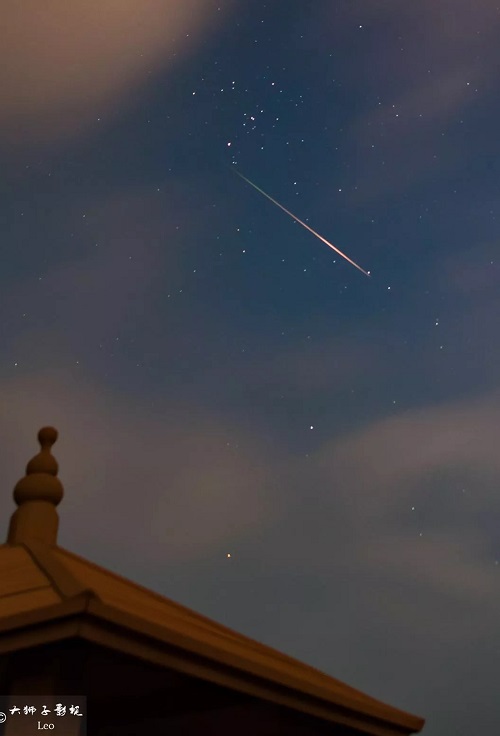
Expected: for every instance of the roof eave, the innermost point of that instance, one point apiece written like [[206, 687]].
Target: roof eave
[[86, 616]]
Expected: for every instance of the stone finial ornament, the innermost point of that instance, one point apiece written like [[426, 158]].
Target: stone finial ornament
[[37, 495]]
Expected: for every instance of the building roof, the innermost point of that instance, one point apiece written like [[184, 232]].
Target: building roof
[[48, 594]]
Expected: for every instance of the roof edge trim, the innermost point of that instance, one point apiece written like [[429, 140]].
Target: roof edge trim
[[65, 584]]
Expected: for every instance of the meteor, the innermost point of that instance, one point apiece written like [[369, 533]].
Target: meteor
[[294, 217]]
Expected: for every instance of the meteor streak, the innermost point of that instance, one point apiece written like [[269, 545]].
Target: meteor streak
[[294, 217]]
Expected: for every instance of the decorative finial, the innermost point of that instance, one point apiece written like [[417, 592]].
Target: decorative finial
[[37, 495]]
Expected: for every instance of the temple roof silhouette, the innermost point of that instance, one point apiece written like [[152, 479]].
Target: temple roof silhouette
[[48, 594]]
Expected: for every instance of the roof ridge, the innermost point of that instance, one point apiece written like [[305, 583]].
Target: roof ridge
[[65, 583]]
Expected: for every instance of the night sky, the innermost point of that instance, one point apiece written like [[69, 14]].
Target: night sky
[[249, 424]]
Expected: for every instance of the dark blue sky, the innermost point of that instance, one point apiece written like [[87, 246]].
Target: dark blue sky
[[223, 383]]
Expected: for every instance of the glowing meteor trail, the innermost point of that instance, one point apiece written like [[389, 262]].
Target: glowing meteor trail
[[294, 217]]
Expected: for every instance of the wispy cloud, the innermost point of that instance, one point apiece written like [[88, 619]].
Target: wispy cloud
[[65, 65], [438, 60], [127, 254], [387, 477], [181, 483]]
